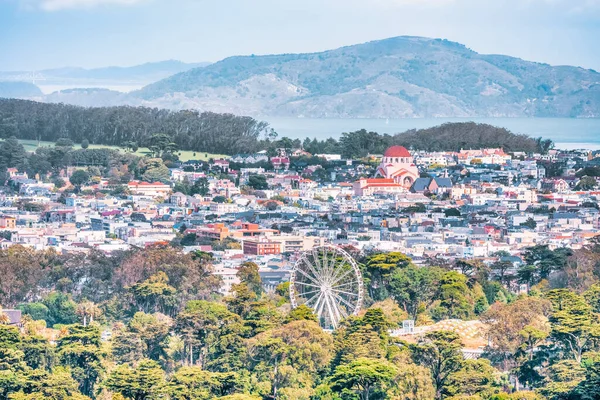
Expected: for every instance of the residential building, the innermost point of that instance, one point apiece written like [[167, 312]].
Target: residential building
[[261, 246], [156, 189]]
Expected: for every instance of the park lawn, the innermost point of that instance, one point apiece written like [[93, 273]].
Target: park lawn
[[184, 155]]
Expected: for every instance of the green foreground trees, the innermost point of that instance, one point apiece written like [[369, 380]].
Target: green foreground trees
[[169, 335]]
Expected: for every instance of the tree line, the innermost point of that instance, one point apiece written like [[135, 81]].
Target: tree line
[[119, 126], [446, 137]]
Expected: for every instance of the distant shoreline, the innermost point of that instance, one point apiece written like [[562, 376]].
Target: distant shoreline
[[577, 146]]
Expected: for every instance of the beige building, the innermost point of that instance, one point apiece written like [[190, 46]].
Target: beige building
[[368, 187], [293, 243], [7, 222], [155, 189], [228, 278]]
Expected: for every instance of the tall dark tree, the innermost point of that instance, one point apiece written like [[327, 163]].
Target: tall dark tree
[[80, 351], [12, 154], [439, 351], [79, 177]]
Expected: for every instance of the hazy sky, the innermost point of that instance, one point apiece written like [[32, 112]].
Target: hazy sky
[[38, 34]]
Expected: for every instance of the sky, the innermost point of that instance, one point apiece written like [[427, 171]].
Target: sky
[[41, 34]]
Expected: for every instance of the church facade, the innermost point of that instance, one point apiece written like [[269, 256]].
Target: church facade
[[396, 174], [398, 164]]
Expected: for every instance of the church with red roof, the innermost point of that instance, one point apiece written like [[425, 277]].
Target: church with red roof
[[398, 164], [396, 174]]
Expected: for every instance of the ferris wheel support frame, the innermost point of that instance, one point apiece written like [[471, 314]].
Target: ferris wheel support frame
[[325, 275]]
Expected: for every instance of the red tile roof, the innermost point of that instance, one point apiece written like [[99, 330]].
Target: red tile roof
[[397, 151]]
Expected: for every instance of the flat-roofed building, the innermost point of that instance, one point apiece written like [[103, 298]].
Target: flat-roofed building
[[155, 189], [216, 231], [247, 229], [368, 187], [228, 278], [297, 243], [261, 246]]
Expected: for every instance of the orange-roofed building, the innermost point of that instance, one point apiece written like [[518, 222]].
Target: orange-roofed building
[[305, 184], [217, 231], [250, 230], [368, 187]]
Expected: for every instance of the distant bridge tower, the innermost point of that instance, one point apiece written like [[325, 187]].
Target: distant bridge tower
[[34, 76]]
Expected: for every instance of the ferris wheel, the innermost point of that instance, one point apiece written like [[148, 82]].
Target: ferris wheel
[[328, 280]]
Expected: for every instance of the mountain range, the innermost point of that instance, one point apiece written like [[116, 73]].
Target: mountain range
[[392, 78], [401, 77], [74, 77]]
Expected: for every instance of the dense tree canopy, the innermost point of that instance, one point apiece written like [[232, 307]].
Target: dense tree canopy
[[188, 130], [470, 135], [172, 336], [446, 137]]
